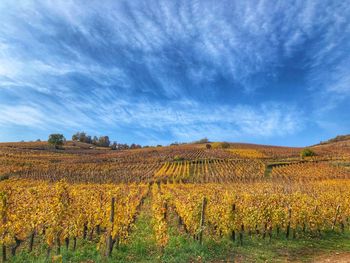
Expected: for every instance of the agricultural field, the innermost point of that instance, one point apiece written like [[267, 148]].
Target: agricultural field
[[183, 203], [175, 131]]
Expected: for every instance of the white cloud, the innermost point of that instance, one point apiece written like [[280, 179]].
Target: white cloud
[[23, 115], [137, 51], [183, 119], [237, 39]]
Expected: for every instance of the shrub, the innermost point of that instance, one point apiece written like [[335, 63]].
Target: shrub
[[56, 140], [225, 145], [104, 141], [178, 158], [201, 141], [307, 153], [220, 145], [82, 137]]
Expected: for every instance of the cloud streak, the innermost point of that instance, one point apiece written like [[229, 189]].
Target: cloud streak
[[180, 68]]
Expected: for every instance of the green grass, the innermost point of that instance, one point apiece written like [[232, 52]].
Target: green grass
[[86, 251], [181, 248], [301, 249], [141, 247]]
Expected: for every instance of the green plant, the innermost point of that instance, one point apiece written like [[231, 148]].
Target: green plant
[[56, 140], [220, 145], [178, 158], [225, 145], [307, 153]]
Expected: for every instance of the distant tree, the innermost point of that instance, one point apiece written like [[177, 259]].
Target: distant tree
[[82, 137], [103, 141], [202, 141], [75, 137], [307, 153], [114, 146], [159, 145], [38, 140], [135, 146], [88, 139], [225, 145], [95, 140], [208, 146], [56, 140]]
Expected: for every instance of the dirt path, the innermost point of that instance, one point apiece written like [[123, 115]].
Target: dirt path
[[333, 258]]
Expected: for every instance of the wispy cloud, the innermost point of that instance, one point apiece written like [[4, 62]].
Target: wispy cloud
[[197, 120], [180, 68], [21, 115]]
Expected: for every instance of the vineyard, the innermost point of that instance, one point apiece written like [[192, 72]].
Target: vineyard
[[54, 201]]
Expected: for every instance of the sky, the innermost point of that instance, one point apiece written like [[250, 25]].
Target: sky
[[155, 72]]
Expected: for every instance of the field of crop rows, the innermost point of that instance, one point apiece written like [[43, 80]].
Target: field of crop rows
[[59, 197]]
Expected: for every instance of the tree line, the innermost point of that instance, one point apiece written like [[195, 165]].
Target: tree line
[[102, 141], [58, 140]]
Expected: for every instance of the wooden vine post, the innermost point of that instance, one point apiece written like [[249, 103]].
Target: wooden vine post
[[58, 240], [165, 209], [289, 219], [109, 245], [4, 256], [233, 233], [336, 217], [15, 246], [241, 232], [4, 221], [202, 222], [85, 231], [74, 243], [31, 241], [66, 241]]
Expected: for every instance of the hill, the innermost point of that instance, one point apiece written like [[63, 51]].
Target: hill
[[339, 138], [197, 202], [339, 145]]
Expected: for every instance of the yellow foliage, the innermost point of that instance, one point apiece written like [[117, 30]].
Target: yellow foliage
[[247, 153], [62, 209]]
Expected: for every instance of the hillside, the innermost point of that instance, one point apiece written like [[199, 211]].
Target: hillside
[[339, 145], [337, 139], [33, 159], [209, 202]]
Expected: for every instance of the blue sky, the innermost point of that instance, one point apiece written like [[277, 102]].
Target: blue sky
[[149, 72]]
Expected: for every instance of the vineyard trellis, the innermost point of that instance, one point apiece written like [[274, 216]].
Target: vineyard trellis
[[62, 197]]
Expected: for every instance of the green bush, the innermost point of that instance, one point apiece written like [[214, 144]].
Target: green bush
[[56, 140], [225, 145], [220, 145], [307, 153], [178, 158]]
